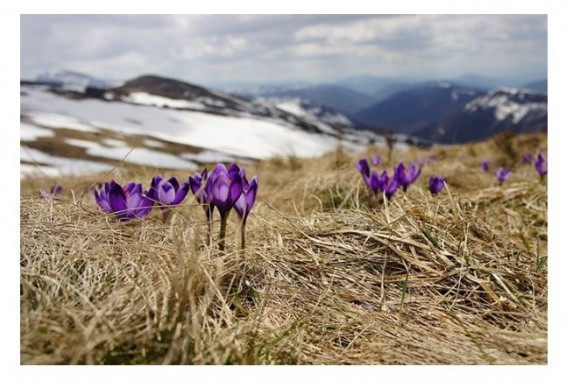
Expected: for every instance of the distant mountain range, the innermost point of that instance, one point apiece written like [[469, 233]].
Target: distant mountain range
[[340, 98], [439, 111], [505, 109], [411, 110]]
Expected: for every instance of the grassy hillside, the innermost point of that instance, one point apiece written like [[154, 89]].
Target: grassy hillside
[[330, 275]]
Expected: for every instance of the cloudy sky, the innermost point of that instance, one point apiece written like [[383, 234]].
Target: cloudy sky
[[213, 49]]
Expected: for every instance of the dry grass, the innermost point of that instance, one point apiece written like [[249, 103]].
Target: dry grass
[[330, 275]]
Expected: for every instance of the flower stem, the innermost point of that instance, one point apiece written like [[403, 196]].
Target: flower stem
[[166, 214], [222, 234], [243, 235], [208, 211]]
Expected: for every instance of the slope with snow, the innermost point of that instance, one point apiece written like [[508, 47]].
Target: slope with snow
[[208, 136], [515, 104]]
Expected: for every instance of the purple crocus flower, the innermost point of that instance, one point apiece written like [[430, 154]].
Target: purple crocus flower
[[528, 158], [485, 165], [391, 187], [246, 200], [406, 177], [430, 159], [376, 160], [126, 203], [244, 205], [225, 191], [540, 165], [363, 168], [197, 184], [502, 174], [436, 184], [52, 194], [224, 188], [167, 193]]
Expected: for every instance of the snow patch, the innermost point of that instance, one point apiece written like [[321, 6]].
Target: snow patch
[[507, 103], [55, 166], [31, 132], [147, 99], [46, 119]]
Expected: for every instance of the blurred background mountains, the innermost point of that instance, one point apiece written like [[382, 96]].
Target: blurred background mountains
[[461, 110]]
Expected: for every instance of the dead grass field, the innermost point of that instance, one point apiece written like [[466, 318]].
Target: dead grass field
[[330, 275]]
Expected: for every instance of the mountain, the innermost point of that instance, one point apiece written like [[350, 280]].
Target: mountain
[[504, 109], [411, 110], [540, 85], [478, 81], [376, 87], [72, 80], [339, 98], [167, 123], [310, 111]]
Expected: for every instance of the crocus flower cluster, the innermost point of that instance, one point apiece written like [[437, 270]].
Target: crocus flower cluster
[[223, 189], [485, 165], [52, 194], [376, 182]]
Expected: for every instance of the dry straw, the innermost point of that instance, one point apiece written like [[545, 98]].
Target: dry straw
[[330, 275]]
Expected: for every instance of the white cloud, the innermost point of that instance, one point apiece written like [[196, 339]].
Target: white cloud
[[205, 48]]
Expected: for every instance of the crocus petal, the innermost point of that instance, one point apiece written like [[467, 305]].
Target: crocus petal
[[174, 182], [166, 193], [363, 168], [144, 206], [195, 183], [436, 184], [251, 193], [156, 181], [376, 160], [181, 193], [374, 183], [130, 187], [240, 206], [235, 187], [234, 168], [540, 165], [221, 189], [117, 198], [102, 202]]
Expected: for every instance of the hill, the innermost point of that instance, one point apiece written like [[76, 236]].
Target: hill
[[170, 123], [409, 111], [330, 274]]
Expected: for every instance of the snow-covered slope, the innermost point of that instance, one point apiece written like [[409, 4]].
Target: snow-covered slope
[[503, 109], [163, 132], [516, 104], [311, 112]]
